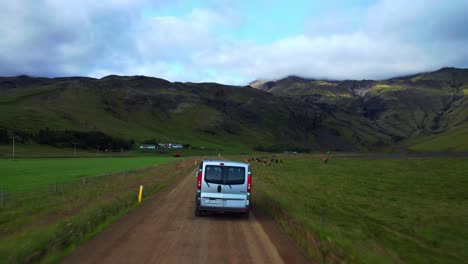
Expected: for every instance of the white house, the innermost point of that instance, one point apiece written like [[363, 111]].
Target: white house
[[148, 146]]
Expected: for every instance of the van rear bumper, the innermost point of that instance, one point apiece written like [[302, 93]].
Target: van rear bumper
[[225, 209], [243, 209]]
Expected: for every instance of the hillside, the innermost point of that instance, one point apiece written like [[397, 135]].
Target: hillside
[[142, 108], [423, 111], [293, 113]]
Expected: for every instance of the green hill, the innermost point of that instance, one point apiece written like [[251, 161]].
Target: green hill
[[292, 113], [410, 109]]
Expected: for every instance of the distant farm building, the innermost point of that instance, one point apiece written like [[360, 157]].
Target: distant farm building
[[148, 146], [170, 146]]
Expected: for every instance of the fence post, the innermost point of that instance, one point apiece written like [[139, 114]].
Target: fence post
[[140, 194], [84, 180], [56, 187]]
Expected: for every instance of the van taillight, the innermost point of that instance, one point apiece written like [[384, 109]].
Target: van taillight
[[249, 182], [199, 180]]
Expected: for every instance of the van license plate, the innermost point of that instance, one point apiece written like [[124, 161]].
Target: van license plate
[[218, 202]]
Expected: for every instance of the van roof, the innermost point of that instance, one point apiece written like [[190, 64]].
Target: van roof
[[226, 162]]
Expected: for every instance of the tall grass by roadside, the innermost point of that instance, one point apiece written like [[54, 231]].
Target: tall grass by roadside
[[43, 228], [370, 210]]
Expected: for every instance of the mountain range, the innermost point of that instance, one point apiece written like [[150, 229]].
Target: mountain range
[[424, 112]]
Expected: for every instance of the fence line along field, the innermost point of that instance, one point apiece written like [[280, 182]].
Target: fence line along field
[[378, 210], [32, 173], [43, 225]]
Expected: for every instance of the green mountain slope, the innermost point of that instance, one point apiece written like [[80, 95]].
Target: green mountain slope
[[143, 108], [452, 140], [292, 113], [409, 109]]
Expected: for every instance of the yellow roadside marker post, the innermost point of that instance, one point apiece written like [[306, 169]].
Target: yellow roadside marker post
[[140, 194]]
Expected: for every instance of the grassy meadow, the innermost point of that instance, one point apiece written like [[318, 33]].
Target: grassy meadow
[[44, 226], [36, 150], [29, 174], [370, 210]]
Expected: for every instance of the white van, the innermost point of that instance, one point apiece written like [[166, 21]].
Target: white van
[[223, 186]]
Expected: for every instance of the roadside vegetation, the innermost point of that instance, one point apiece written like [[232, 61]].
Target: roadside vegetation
[[370, 210], [42, 226]]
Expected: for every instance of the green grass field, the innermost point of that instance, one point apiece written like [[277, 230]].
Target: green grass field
[[41, 227], [29, 174], [370, 210]]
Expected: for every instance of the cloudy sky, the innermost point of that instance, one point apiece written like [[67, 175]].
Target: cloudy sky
[[232, 42]]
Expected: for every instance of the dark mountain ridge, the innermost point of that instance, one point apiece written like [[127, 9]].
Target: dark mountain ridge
[[291, 113]]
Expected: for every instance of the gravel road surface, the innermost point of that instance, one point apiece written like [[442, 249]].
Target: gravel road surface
[[165, 230]]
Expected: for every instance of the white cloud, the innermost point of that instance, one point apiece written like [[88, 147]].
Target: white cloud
[[338, 56], [97, 38], [394, 38], [174, 38], [58, 37]]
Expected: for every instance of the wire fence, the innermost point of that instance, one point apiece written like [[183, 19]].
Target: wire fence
[[52, 217], [8, 198], [109, 181]]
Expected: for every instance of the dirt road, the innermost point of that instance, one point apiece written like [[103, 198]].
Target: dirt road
[[165, 230]]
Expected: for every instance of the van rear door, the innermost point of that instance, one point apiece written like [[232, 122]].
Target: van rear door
[[235, 186], [212, 187]]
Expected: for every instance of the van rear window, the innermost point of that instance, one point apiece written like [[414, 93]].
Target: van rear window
[[235, 175], [214, 174], [224, 174]]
